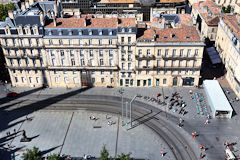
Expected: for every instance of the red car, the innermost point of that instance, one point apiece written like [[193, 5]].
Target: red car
[[11, 94]]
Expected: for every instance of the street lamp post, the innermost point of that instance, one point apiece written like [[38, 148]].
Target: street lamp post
[[121, 92], [126, 111], [131, 109]]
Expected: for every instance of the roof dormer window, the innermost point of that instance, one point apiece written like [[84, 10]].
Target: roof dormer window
[[50, 33], [7, 31], [110, 32], [122, 29], [80, 32], [90, 32], [20, 30], [100, 32], [130, 30], [60, 33], [27, 30], [70, 33]]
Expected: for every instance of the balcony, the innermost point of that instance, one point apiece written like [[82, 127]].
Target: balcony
[[126, 43], [145, 68], [177, 67], [152, 57], [15, 56], [33, 55], [25, 67], [82, 46], [24, 46], [86, 67], [178, 57]]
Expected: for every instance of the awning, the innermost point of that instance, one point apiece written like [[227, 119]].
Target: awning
[[213, 55]]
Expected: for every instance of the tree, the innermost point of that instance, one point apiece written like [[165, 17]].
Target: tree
[[227, 10], [104, 153], [4, 10], [123, 156], [54, 157], [32, 154]]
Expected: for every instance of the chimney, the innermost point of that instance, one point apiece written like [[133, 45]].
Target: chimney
[[163, 23], [31, 2], [55, 8], [238, 18], [55, 21], [87, 21], [10, 14], [26, 4], [171, 35], [79, 14], [42, 18], [23, 7]]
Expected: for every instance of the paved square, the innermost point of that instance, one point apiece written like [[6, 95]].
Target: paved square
[[72, 133]]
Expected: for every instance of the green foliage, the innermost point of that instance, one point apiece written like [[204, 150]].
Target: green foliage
[[32, 154], [227, 10], [54, 157], [123, 156], [4, 10], [104, 153]]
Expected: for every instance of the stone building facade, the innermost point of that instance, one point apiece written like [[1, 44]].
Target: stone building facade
[[228, 46], [42, 48]]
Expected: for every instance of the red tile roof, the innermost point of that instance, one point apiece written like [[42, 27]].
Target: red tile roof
[[147, 34], [208, 10], [184, 34], [171, 1], [95, 23], [185, 19], [233, 24], [127, 22]]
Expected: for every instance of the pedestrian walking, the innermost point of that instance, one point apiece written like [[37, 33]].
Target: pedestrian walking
[[200, 146], [180, 120], [208, 116], [161, 153], [179, 125], [204, 148], [226, 144], [201, 156], [94, 118], [206, 122], [193, 135]]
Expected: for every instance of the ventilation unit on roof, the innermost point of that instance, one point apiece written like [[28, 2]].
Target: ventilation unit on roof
[[165, 37], [187, 37]]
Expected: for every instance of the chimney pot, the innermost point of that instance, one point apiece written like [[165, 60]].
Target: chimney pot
[[10, 14], [55, 21]]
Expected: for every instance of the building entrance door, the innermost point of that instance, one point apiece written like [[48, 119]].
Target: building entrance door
[[85, 78], [157, 82], [175, 81]]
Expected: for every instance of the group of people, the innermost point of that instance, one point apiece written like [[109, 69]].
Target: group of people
[[92, 118]]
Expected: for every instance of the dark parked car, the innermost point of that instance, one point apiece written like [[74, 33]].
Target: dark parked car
[[11, 94], [109, 86]]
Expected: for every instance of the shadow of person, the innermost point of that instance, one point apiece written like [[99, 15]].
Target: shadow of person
[[31, 138]]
